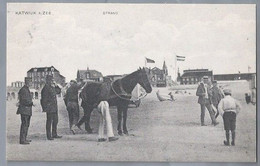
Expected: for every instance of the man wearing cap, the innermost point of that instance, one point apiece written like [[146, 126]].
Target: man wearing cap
[[204, 93], [71, 100], [216, 96], [229, 108], [49, 105], [25, 110]]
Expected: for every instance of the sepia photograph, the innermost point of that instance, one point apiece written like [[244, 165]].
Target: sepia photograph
[[131, 82]]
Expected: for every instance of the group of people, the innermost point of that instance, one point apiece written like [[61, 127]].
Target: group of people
[[50, 106], [48, 103], [218, 102], [211, 97]]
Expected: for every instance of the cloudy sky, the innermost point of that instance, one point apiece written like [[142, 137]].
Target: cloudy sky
[[221, 38]]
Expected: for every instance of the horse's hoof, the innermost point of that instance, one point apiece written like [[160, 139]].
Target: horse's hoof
[[89, 131], [126, 132], [120, 133]]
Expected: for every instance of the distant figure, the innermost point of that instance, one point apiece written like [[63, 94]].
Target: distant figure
[[49, 105], [172, 97], [216, 96], [253, 99], [162, 97], [8, 96], [229, 108], [204, 93], [25, 110], [248, 98]]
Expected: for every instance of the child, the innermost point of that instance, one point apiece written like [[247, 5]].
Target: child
[[229, 108]]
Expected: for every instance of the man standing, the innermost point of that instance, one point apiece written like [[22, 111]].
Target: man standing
[[216, 96], [71, 100], [229, 108], [49, 105], [204, 93], [25, 110]]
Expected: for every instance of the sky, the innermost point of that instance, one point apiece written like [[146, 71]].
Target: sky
[[217, 37]]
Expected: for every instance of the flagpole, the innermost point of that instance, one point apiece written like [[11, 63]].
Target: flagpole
[[175, 68], [145, 62]]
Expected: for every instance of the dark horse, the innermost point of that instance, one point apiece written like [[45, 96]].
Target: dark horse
[[117, 93]]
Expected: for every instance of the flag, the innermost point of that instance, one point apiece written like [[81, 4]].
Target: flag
[[149, 60], [180, 58]]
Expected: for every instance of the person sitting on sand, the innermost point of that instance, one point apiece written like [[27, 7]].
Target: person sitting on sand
[[228, 109], [162, 97]]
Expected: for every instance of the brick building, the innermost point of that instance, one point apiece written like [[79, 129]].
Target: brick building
[[38, 75], [193, 76]]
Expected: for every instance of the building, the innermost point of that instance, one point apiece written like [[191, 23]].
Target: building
[[17, 84], [237, 76], [159, 77], [110, 78], [89, 75], [38, 75], [193, 76]]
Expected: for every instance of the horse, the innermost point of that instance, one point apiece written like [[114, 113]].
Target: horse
[[116, 93]]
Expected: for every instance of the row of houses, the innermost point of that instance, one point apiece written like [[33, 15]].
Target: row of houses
[[158, 78]]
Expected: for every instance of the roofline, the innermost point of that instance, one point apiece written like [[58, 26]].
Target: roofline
[[233, 74]]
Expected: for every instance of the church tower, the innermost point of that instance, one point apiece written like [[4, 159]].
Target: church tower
[[165, 68]]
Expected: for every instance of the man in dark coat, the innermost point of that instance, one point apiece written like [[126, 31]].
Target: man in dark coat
[[71, 99], [49, 105], [204, 93], [216, 96], [25, 110]]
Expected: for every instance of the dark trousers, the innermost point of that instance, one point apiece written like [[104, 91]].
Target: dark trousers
[[211, 113], [52, 121], [229, 119], [73, 112], [24, 127]]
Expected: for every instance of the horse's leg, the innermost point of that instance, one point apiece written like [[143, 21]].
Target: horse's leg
[[87, 125], [124, 120], [86, 118], [119, 118]]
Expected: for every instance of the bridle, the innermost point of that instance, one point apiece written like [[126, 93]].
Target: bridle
[[124, 98]]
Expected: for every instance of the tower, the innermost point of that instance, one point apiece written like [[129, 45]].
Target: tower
[[165, 68]]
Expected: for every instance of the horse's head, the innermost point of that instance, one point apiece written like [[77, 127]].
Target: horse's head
[[143, 80]]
